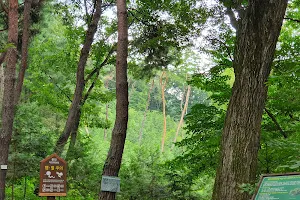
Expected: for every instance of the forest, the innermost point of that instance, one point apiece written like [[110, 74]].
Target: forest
[[179, 99]]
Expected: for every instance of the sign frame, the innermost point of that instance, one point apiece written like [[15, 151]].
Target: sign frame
[[42, 174], [271, 175], [113, 186], [3, 167]]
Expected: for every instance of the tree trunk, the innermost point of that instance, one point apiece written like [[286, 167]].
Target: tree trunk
[[2, 57], [8, 96], [132, 90], [183, 112], [110, 77], [163, 85], [257, 35], [106, 118], [25, 43], [145, 113], [182, 98], [114, 158], [75, 109], [1, 85]]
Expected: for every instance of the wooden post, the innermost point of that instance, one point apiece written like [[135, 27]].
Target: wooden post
[[50, 198]]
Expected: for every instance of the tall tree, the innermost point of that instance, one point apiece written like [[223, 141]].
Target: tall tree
[[8, 96], [145, 113], [73, 120], [257, 29], [163, 84], [114, 158], [183, 112], [25, 44]]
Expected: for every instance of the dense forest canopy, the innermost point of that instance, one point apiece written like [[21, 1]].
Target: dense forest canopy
[[205, 95]]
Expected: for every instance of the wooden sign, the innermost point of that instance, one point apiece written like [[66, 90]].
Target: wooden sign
[[279, 187], [53, 176]]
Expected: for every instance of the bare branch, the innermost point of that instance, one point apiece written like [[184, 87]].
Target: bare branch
[[293, 118], [139, 20], [69, 98], [292, 19], [3, 6], [4, 29], [90, 88], [276, 123], [228, 51], [2, 57], [233, 20]]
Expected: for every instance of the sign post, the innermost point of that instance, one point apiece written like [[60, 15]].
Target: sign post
[[279, 187], [53, 177]]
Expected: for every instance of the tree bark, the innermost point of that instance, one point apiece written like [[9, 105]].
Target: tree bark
[[257, 35], [1, 86], [25, 43], [8, 96], [163, 85], [75, 109], [183, 113], [2, 57], [145, 113], [114, 158], [182, 98], [132, 90]]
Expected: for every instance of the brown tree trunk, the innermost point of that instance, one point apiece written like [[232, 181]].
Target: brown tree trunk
[[8, 96], [257, 35], [106, 113], [114, 158], [163, 85], [183, 113], [1, 85], [106, 118], [109, 77], [182, 99], [145, 113], [2, 57], [25, 43], [132, 90], [75, 109]]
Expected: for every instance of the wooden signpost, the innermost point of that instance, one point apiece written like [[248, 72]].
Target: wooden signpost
[[279, 187], [53, 177]]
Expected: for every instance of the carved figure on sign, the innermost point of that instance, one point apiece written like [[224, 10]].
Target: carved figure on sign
[[48, 173], [59, 174]]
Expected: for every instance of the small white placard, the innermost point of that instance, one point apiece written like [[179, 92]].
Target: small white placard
[[4, 167], [110, 184]]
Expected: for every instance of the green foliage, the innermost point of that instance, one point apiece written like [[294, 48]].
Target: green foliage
[[160, 32], [165, 29]]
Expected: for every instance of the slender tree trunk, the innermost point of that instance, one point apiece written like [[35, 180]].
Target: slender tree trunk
[[132, 90], [114, 158], [182, 114], [145, 113], [1, 85], [25, 187], [106, 108], [2, 57], [106, 118], [25, 43], [182, 98], [8, 96], [257, 35], [72, 123], [163, 85]]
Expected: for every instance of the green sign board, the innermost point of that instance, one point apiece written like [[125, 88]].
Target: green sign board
[[279, 187]]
